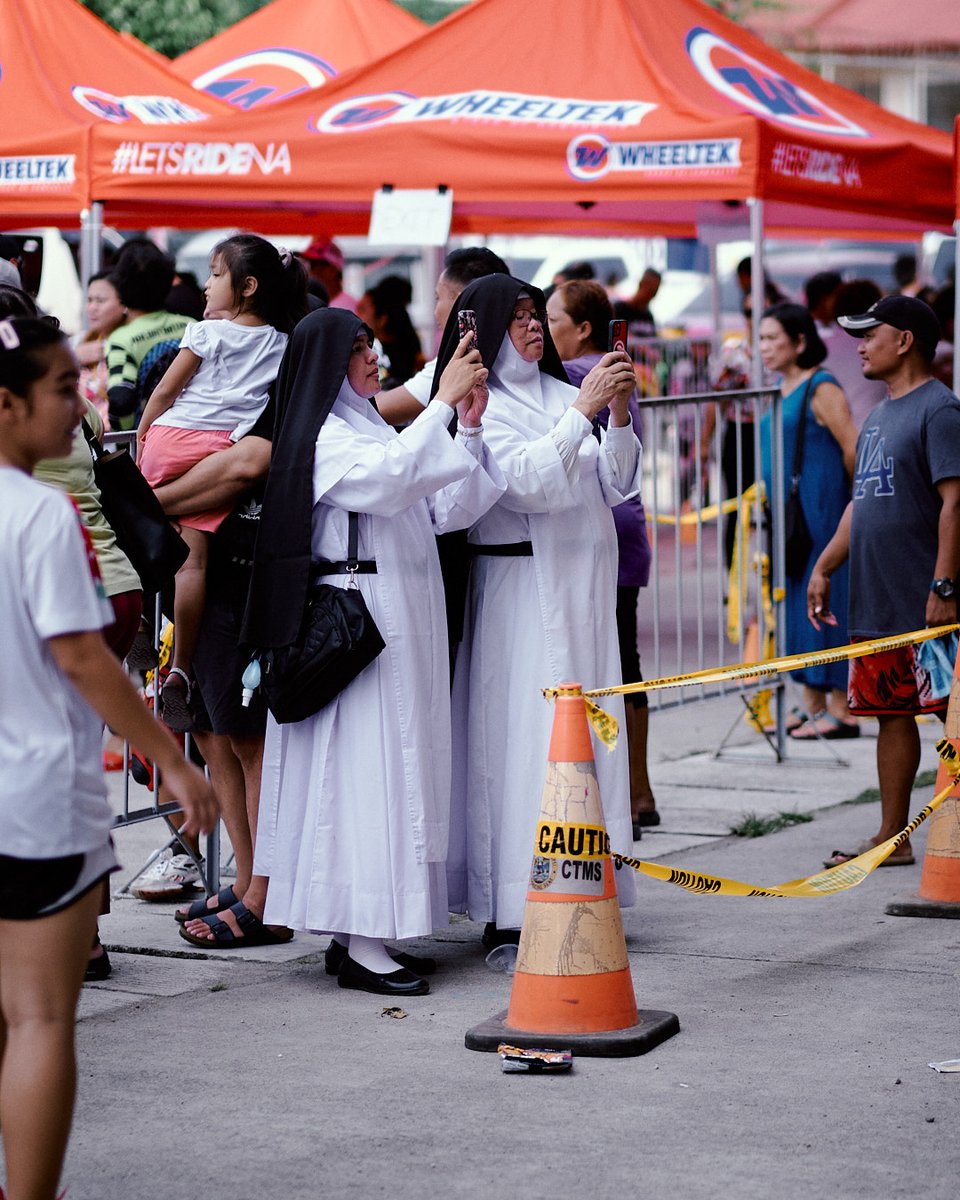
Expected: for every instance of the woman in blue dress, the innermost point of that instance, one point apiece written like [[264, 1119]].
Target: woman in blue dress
[[791, 346]]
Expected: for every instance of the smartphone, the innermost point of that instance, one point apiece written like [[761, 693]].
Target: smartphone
[[617, 336], [467, 322]]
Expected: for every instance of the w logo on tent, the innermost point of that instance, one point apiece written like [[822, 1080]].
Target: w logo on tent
[[753, 85]]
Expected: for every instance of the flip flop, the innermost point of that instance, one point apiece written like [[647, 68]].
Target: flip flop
[[839, 857], [253, 932], [199, 909], [836, 729], [175, 697]]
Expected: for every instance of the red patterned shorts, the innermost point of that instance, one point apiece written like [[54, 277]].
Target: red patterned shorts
[[892, 683]]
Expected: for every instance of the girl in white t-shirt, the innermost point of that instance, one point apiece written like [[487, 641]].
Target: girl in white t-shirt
[[60, 683], [211, 395]]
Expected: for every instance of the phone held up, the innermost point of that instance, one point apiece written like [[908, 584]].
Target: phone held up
[[617, 336], [467, 322]]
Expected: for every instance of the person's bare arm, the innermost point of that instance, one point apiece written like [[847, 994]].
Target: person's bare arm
[[397, 406], [939, 611], [834, 555], [175, 379], [218, 478], [101, 681], [830, 408]]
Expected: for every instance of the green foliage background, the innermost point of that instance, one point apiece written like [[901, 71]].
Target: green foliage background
[[174, 26]]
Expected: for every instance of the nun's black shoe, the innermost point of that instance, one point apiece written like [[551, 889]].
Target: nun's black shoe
[[335, 954], [98, 969], [397, 983], [493, 936]]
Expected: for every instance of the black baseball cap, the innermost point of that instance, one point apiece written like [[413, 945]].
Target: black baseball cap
[[10, 247], [902, 312]]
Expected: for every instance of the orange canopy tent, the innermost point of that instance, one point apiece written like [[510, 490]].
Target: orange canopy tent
[[63, 71], [294, 46], [614, 117]]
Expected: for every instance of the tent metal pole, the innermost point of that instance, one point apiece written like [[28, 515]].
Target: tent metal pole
[[757, 279], [91, 229], [956, 306], [715, 316]]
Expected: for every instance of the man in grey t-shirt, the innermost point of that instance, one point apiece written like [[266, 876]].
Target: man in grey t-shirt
[[901, 532]]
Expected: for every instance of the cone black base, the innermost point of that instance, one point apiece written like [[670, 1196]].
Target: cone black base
[[915, 906], [652, 1028]]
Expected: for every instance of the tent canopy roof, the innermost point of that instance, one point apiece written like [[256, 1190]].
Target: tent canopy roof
[[292, 46], [571, 112]]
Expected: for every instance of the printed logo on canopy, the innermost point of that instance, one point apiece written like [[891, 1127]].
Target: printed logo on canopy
[[264, 77], [752, 84], [147, 110], [366, 112]]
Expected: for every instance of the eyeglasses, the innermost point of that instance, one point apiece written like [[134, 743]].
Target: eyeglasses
[[523, 316]]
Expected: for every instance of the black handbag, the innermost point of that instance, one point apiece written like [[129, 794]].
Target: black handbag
[[143, 532], [338, 638], [797, 540]]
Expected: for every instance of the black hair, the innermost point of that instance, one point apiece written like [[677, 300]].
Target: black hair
[[468, 263], [581, 270], [586, 300], [106, 274], [771, 293], [856, 297], [22, 365], [15, 302], [943, 305], [281, 295], [143, 275], [818, 287], [904, 269], [797, 322]]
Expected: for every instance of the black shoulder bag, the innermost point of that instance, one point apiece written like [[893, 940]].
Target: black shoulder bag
[[338, 638], [135, 515], [797, 541]]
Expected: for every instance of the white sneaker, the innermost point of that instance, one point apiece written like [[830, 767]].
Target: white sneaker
[[170, 877]]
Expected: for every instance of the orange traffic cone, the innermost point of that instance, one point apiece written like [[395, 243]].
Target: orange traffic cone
[[939, 893], [572, 987]]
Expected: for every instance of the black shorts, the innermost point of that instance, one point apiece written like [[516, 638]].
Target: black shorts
[[218, 664], [39, 887]]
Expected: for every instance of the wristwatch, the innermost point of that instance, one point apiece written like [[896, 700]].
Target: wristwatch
[[944, 588]]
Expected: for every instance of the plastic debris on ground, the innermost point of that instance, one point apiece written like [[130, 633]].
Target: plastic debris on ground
[[533, 1060]]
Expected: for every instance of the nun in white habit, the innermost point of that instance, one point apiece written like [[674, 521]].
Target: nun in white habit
[[541, 605], [354, 806]]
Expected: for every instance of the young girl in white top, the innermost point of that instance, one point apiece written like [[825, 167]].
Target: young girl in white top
[[58, 675], [211, 395]]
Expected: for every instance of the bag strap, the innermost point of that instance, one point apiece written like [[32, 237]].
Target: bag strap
[[96, 446], [801, 434], [353, 542]]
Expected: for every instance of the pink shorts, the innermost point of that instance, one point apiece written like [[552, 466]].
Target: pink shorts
[[169, 452]]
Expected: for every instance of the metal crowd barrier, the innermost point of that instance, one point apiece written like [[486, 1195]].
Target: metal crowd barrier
[[134, 810], [701, 449]]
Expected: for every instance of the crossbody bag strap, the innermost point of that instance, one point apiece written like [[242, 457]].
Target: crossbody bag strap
[[96, 446], [801, 434], [353, 542]]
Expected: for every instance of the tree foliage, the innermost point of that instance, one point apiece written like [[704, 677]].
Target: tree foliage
[[172, 26]]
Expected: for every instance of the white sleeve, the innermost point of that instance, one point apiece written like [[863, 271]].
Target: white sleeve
[[620, 465], [62, 588], [540, 475], [367, 475]]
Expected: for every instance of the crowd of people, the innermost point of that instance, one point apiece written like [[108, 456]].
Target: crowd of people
[[486, 504]]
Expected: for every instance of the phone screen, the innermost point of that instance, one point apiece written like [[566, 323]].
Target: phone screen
[[617, 336]]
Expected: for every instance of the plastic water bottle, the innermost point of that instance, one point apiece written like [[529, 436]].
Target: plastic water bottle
[[503, 958], [250, 680]]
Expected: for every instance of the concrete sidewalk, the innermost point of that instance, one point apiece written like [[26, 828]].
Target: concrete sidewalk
[[806, 1029]]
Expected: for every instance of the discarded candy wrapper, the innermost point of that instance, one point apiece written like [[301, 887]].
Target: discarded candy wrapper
[[397, 1013], [950, 1066], [514, 1058]]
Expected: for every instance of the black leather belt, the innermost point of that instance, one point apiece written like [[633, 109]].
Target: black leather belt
[[504, 550], [365, 566]]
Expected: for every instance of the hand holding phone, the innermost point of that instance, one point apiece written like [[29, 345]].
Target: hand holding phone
[[617, 336]]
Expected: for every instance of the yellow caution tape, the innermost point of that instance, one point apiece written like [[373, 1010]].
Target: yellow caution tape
[[824, 883], [701, 516], [773, 666]]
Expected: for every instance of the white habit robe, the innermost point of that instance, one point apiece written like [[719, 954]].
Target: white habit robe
[[354, 802], [535, 622]]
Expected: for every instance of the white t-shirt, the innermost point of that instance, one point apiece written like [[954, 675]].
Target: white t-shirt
[[419, 385], [229, 389], [52, 796]]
